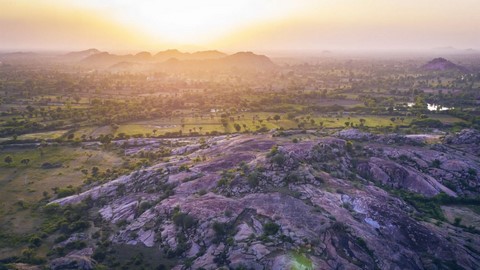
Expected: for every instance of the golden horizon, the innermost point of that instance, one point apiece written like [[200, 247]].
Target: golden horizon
[[238, 25]]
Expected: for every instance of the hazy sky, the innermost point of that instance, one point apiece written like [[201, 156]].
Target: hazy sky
[[268, 25]]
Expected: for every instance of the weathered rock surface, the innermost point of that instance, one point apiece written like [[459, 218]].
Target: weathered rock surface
[[397, 176], [73, 262], [466, 136], [316, 204], [355, 134]]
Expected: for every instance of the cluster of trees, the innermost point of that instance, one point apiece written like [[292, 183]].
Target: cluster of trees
[[9, 160]]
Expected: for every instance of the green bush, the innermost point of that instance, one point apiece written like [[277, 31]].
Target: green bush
[[254, 178], [35, 241], [65, 192], [184, 168], [436, 163], [270, 228], [292, 177], [278, 159], [78, 226], [221, 230], [182, 220], [144, 206], [51, 209]]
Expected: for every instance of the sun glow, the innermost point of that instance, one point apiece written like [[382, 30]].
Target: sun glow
[[235, 24], [196, 22]]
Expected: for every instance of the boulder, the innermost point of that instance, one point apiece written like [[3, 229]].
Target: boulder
[[354, 134], [466, 136], [73, 262]]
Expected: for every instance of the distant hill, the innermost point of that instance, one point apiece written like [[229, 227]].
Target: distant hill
[[175, 60], [445, 48], [239, 61], [207, 55], [442, 64], [129, 67], [105, 59], [97, 59], [248, 60], [143, 56], [18, 55], [23, 58], [165, 55], [81, 54], [202, 55]]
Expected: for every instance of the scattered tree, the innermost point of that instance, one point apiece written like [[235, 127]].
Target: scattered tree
[[8, 160], [25, 161]]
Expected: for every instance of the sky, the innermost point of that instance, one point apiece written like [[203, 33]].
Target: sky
[[233, 25]]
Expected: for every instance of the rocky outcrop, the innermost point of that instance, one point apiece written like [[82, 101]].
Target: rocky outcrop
[[259, 202], [397, 176], [442, 64], [73, 262], [355, 134], [466, 136]]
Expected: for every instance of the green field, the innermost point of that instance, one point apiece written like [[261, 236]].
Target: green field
[[26, 184], [248, 121], [42, 135]]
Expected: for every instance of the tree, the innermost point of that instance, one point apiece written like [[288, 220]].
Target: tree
[[420, 105], [349, 146], [436, 163], [224, 122], [8, 160], [362, 121], [237, 127], [30, 109], [270, 228], [95, 171], [25, 161], [105, 139], [183, 220], [276, 117]]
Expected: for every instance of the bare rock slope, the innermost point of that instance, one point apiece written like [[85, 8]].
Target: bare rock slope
[[265, 202]]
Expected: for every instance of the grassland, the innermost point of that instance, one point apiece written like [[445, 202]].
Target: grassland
[[253, 122], [43, 135], [23, 185]]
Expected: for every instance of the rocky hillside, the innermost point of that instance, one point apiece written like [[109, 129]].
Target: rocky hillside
[[351, 200], [442, 64]]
